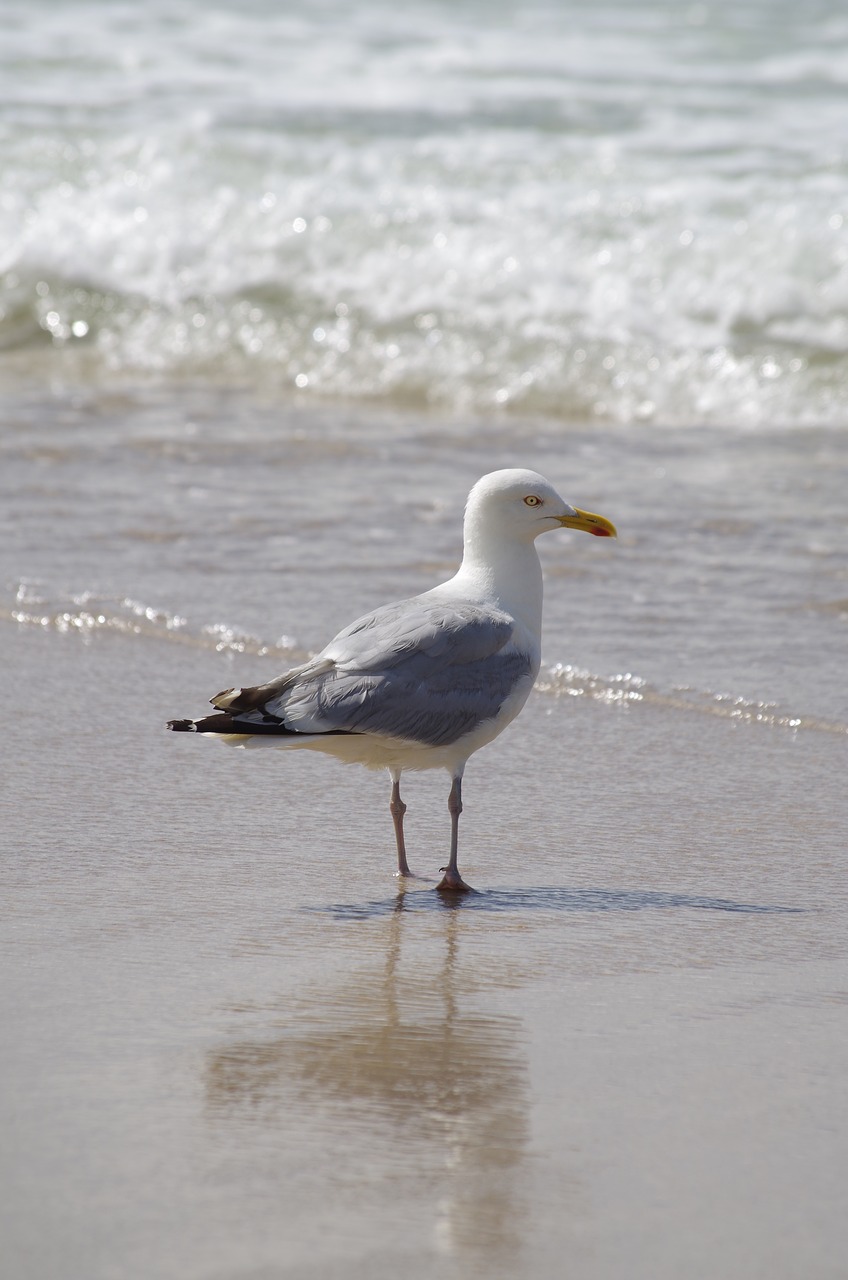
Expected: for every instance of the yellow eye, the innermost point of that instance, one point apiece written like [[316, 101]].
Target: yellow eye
[[532, 501]]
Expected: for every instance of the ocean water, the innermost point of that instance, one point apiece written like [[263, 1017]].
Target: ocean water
[[634, 214], [278, 283]]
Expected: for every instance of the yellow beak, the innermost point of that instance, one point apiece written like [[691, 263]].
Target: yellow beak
[[589, 523]]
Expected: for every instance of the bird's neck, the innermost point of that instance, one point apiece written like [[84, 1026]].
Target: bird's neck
[[506, 572]]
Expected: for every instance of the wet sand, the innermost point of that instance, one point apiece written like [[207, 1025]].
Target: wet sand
[[234, 1046]]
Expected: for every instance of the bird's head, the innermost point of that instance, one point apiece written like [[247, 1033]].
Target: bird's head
[[522, 504]]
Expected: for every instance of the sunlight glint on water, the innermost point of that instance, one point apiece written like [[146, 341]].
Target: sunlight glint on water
[[640, 213]]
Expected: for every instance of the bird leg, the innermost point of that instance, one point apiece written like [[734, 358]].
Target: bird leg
[[452, 880], [397, 809]]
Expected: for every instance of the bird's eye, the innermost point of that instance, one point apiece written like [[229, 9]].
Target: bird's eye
[[532, 501]]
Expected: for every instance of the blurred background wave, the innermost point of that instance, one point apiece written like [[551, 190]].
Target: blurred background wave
[[607, 213]]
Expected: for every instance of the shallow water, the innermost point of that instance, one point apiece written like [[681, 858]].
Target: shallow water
[[211, 519]]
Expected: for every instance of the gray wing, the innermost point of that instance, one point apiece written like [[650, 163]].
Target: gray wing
[[417, 632], [422, 670]]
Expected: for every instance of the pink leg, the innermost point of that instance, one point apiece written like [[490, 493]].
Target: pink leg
[[452, 880], [397, 809]]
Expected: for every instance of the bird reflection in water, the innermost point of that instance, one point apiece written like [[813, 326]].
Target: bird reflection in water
[[435, 1088]]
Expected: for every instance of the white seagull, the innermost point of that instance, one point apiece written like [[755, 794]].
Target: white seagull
[[424, 683]]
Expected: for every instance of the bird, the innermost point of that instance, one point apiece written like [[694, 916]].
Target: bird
[[425, 682]]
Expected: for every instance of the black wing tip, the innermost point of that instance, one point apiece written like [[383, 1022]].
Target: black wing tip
[[182, 726], [220, 723]]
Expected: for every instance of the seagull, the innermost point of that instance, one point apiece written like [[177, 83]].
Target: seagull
[[427, 681]]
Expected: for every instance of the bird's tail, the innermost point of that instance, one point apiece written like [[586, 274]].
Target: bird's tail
[[256, 698], [224, 723]]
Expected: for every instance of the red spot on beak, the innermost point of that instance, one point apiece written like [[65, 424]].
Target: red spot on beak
[[600, 533]]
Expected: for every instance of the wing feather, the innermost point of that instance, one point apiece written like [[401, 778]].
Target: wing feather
[[422, 670]]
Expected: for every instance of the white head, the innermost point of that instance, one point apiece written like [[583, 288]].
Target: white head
[[517, 505]]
